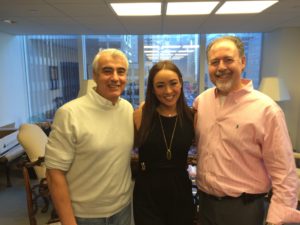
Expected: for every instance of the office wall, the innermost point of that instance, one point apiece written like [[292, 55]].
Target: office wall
[[13, 99], [281, 57]]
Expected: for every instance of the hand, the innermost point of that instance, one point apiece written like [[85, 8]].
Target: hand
[[269, 223]]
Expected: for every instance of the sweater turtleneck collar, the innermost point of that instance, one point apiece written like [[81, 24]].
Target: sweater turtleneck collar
[[102, 101]]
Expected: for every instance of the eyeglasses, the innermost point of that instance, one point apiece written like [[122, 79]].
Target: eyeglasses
[[226, 61]]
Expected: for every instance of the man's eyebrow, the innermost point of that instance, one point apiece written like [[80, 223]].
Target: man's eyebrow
[[111, 68], [121, 68], [106, 67]]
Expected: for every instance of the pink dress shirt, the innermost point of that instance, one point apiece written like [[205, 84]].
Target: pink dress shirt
[[244, 146]]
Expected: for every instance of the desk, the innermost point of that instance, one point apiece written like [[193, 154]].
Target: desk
[[12, 151], [10, 156]]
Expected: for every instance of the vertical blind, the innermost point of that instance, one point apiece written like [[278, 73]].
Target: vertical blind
[[52, 73]]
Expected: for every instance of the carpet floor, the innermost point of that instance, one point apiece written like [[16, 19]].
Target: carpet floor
[[13, 208]]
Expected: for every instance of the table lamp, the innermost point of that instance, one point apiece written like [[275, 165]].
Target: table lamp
[[275, 88]]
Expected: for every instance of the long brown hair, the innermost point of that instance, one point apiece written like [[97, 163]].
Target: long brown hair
[[151, 102]]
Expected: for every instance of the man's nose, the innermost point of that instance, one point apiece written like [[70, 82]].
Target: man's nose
[[115, 75], [222, 65]]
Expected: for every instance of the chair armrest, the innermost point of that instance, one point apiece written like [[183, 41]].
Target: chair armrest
[[29, 164], [297, 155]]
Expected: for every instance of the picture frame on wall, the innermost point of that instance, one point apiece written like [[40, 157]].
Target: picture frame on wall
[[53, 73]]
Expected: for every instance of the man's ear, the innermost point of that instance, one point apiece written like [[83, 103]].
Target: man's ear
[[95, 77], [244, 62]]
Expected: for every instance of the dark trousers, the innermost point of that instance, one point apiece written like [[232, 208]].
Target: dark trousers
[[246, 210]]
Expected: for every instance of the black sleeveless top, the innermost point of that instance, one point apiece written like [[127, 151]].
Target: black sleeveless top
[[163, 191], [153, 152]]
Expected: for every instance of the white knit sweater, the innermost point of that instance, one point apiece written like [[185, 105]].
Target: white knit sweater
[[91, 140]]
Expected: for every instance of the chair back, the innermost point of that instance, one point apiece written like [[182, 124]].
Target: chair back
[[34, 140]]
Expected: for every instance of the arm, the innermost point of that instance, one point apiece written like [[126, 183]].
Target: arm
[[60, 196], [137, 117], [197, 136], [280, 163], [195, 127]]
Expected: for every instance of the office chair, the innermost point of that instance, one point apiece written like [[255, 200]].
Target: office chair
[[34, 141]]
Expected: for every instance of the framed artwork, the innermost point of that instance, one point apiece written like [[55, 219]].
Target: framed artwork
[[53, 73]]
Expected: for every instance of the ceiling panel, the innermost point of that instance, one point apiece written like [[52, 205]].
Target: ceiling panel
[[84, 9], [97, 17]]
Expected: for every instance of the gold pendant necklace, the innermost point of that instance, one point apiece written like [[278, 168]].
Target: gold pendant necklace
[[169, 152]]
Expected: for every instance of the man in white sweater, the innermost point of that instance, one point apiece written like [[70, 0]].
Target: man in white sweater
[[89, 148]]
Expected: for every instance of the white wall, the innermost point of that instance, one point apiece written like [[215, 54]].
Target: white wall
[[13, 99], [281, 57]]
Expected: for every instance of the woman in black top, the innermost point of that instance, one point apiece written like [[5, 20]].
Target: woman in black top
[[164, 124]]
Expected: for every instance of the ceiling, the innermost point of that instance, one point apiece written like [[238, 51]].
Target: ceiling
[[97, 17]]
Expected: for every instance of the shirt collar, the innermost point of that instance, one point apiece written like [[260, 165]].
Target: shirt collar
[[101, 100], [246, 88]]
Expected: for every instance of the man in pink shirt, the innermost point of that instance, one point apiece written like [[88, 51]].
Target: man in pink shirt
[[243, 145]]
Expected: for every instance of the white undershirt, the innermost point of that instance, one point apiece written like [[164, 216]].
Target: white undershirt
[[222, 99]]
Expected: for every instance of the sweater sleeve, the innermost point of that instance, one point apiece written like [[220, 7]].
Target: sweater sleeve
[[60, 147]]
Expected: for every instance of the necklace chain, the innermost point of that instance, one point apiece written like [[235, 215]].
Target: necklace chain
[[169, 152]]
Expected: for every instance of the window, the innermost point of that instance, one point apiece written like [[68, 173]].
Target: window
[[183, 50], [69, 58]]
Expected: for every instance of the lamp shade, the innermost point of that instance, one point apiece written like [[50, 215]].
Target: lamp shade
[[86, 85], [275, 88]]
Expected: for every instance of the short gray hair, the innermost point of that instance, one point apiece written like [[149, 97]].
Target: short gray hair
[[110, 51]]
